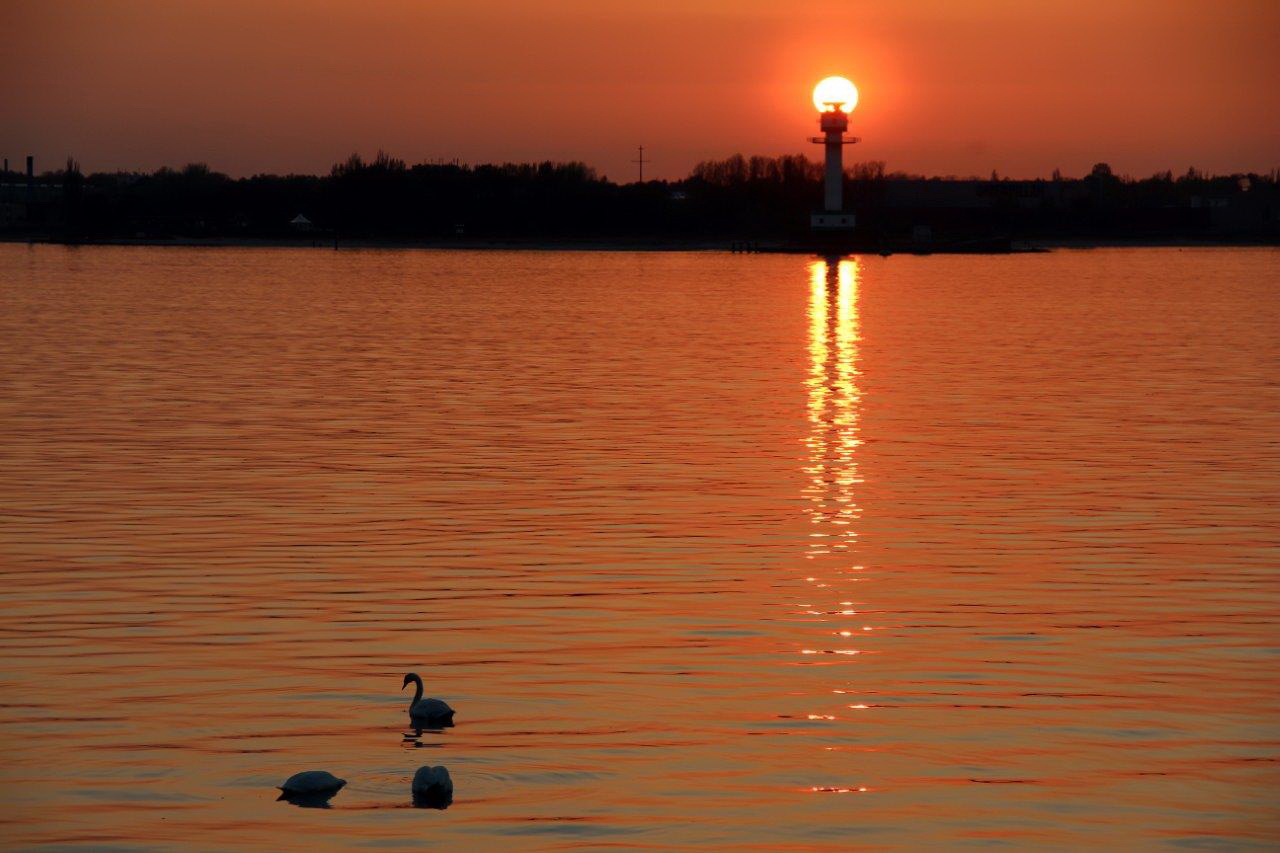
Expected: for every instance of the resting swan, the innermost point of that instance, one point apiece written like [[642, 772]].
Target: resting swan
[[426, 710], [311, 788], [432, 787]]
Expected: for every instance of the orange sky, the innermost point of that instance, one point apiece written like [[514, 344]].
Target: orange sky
[[1021, 86]]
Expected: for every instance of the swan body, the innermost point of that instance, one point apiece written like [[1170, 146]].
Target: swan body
[[432, 787], [426, 710], [311, 788], [312, 782]]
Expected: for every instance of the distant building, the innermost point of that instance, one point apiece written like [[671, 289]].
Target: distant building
[[301, 223], [29, 203]]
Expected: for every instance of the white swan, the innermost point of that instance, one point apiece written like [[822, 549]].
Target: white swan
[[432, 787], [426, 710]]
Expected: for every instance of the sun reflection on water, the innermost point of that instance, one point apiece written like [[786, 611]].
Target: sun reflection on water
[[830, 468], [834, 406]]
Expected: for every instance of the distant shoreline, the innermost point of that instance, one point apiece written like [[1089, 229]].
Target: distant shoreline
[[328, 243], [1154, 244], [655, 245]]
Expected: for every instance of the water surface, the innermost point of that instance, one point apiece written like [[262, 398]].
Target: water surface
[[707, 550]]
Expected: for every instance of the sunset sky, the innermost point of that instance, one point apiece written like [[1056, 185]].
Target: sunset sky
[[947, 87]]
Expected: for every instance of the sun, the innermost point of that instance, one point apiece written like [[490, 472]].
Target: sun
[[835, 93]]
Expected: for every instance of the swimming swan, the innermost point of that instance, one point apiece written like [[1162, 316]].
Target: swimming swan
[[426, 710], [311, 788], [432, 787]]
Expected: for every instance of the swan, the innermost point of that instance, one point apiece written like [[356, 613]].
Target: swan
[[432, 787], [426, 710], [311, 787]]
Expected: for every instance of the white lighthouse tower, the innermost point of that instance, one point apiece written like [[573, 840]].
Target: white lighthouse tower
[[834, 98]]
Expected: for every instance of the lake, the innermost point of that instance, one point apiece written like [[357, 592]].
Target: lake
[[707, 550]]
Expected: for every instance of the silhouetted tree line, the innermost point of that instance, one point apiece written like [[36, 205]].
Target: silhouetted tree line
[[760, 198]]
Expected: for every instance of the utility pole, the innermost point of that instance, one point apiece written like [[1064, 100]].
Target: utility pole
[[641, 163]]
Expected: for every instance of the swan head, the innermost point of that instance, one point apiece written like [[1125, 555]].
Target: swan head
[[410, 679]]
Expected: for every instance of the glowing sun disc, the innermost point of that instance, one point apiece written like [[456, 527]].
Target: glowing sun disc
[[835, 93]]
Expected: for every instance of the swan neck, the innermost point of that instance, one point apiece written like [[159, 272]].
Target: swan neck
[[417, 692]]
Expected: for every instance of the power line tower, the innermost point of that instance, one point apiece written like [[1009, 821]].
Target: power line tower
[[640, 162]]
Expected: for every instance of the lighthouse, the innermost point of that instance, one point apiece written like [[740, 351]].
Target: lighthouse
[[834, 98]]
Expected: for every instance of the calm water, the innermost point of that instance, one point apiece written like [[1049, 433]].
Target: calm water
[[707, 550]]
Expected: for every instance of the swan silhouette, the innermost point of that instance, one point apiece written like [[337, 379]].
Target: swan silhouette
[[432, 711], [311, 788], [432, 788]]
